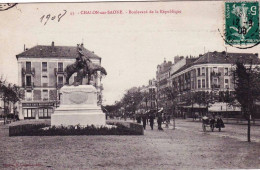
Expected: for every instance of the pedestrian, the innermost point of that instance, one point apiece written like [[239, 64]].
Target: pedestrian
[[151, 117], [159, 121], [144, 121], [138, 118]]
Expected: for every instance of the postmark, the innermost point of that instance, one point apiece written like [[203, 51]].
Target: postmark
[[242, 23], [6, 6]]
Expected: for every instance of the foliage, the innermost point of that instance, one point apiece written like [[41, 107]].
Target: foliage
[[132, 100], [9, 93], [247, 87]]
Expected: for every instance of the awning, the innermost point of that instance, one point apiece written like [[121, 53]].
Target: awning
[[223, 107], [195, 106]]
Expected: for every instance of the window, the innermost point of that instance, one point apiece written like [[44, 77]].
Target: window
[[215, 81], [226, 72], [226, 83], [203, 83], [198, 71], [45, 113], [44, 81], [44, 66], [192, 83], [28, 81], [29, 113], [28, 95], [60, 67], [28, 66], [45, 95], [60, 80], [203, 71], [215, 69], [199, 84]]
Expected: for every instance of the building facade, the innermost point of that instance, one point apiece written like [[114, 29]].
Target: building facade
[[211, 73], [41, 76], [162, 76]]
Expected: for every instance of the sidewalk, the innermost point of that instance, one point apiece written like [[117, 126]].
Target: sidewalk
[[230, 121]]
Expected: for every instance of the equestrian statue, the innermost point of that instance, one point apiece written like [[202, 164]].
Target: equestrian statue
[[83, 67]]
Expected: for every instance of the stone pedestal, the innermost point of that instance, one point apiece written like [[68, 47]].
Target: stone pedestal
[[78, 106]]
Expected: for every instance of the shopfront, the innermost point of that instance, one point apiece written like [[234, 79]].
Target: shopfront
[[37, 110]]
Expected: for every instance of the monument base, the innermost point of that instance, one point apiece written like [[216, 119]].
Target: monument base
[[78, 116], [78, 107]]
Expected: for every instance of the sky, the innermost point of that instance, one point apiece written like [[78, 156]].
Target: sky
[[130, 45]]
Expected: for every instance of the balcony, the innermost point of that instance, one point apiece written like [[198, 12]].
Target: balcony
[[59, 85], [214, 74], [28, 86], [28, 71], [58, 71], [215, 86]]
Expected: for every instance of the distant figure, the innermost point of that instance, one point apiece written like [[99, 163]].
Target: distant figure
[[144, 120], [151, 117], [159, 121], [138, 118]]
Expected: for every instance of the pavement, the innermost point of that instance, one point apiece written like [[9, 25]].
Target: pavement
[[186, 147]]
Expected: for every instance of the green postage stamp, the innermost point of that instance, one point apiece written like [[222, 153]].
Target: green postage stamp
[[242, 23]]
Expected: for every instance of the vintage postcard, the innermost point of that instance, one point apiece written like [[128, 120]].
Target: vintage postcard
[[130, 85]]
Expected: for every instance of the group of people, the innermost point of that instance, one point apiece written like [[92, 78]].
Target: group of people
[[150, 117]]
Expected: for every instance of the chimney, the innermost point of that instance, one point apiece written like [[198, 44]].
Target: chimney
[[82, 45], [256, 54], [200, 55], [52, 44], [24, 47]]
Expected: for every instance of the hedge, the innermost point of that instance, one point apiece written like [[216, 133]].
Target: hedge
[[47, 130]]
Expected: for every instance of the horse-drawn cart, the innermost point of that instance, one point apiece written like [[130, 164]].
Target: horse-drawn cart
[[211, 123]]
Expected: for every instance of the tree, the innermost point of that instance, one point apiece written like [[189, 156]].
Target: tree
[[9, 93], [247, 90], [131, 101], [15, 96], [171, 95]]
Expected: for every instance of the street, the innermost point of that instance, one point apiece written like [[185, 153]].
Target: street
[[186, 147]]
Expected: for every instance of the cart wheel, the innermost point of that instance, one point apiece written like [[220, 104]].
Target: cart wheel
[[219, 129], [204, 127]]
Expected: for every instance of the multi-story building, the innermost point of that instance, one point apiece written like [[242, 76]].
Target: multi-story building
[[210, 72], [162, 75], [41, 75], [152, 94], [149, 98]]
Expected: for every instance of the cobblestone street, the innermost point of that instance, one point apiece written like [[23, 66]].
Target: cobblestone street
[[186, 147]]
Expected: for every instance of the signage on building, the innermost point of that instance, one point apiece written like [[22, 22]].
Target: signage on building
[[37, 104]]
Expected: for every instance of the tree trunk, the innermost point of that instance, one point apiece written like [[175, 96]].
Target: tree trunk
[[4, 112], [248, 129]]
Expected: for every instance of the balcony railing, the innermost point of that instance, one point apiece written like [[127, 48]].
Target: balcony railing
[[215, 74], [216, 86], [28, 71], [58, 71], [28, 86], [59, 85]]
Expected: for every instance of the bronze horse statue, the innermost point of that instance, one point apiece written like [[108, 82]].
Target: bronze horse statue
[[83, 67]]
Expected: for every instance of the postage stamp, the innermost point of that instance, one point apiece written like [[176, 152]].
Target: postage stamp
[[242, 23]]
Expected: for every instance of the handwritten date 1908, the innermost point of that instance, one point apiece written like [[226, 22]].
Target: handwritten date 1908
[[48, 17]]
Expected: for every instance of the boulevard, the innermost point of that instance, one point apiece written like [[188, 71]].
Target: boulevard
[[186, 147]]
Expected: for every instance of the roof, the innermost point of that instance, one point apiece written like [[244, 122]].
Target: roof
[[227, 58], [41, 51], [189, 63], [221, 58]]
